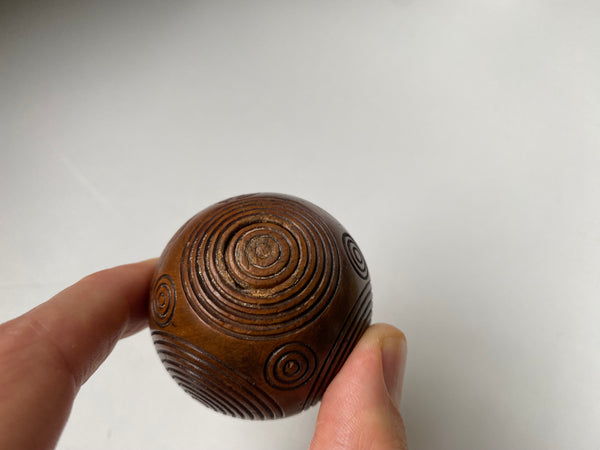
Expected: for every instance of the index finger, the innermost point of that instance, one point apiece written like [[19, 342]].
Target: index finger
[[49, 352]]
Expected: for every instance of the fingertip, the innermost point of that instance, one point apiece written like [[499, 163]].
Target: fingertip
[[141, 268], [148, 262], [378, 332], [393, 348], [360, 404], [124, 286], [51, 350]]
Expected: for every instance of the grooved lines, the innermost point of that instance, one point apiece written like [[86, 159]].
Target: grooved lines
[[260, 267], [211, 381], [354, 326]]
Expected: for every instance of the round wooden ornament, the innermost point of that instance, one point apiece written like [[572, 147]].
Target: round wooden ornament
[[256, 303]]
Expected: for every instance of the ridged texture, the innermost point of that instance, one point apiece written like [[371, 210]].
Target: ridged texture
[[290, 365], [211, 381], [354, 326], [260, 267], [257, 303], [163, 299], [357, 260]]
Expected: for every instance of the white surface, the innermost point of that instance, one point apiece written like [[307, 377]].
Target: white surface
[[458, 141]]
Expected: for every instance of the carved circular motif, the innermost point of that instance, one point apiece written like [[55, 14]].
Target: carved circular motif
[[262, 256], [260, 267], [276, 294], [290, 365], [164, 298], [355, 256]]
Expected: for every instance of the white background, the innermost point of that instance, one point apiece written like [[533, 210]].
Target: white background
[[458, 141]]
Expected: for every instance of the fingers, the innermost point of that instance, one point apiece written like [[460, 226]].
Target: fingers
[[360, 407], [49, 352]]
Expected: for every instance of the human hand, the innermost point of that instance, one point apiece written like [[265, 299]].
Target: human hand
[[49, 352]]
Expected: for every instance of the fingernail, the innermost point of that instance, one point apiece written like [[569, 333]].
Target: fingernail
[[393, 355], [154, 260]]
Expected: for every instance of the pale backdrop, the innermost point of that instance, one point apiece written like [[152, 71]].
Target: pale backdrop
[[458, 141]]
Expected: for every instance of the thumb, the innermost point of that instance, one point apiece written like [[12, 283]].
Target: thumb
[[360, 407]]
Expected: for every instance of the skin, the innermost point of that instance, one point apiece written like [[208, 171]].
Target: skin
[[49, 352]]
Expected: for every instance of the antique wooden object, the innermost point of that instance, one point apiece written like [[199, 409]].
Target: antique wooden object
[[257, 302]]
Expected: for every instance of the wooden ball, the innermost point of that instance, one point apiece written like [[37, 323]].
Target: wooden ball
[[257, 302]]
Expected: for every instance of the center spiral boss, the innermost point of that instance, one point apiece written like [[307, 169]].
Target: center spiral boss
[[256, 303]]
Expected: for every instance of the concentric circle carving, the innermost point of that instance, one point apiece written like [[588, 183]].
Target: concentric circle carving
[[290, 365], [163, 300], [355, 256], [258, 267]]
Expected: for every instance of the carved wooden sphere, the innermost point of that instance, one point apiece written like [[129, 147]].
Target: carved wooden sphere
[[257, 302]]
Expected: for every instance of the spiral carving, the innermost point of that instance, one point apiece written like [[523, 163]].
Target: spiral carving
[[257, 302], [355, 256], [163, 300], [290, 365], [260, 267]]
